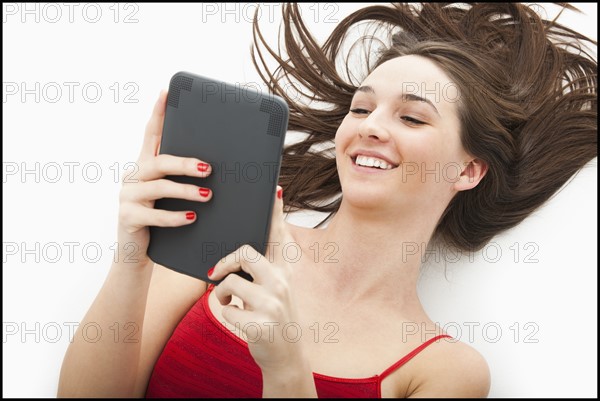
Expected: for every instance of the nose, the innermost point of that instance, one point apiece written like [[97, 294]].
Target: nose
[[374, 127]]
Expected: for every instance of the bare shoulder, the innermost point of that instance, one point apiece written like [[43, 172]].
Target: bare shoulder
[[452, 369]]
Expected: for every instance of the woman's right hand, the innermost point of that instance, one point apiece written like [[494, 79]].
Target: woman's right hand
[[138, 192]]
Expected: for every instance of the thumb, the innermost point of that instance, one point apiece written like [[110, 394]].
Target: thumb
[[154, 127]]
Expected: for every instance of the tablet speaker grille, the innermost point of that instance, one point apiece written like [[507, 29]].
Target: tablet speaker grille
[[275, 116], [177, 84]]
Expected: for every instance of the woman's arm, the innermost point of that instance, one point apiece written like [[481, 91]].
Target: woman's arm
[[170, 297], [121, 365], [107, 367], [137, 309], [118, 341]]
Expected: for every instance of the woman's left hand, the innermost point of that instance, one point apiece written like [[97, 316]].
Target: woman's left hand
[[268, 318]]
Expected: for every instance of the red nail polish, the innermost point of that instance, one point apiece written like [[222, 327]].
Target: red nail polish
[[204, 192], [280, 193], [210, 271], [190, 215], [202, 167]]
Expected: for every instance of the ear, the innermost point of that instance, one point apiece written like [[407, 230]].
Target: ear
[[471, 175]]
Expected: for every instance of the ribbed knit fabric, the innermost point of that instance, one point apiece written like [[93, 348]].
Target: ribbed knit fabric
[[204, 359]]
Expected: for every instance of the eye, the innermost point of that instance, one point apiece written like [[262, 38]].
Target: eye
[[359, 111], [412, 120]]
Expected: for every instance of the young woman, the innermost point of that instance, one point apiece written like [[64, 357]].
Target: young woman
[[455, 129]]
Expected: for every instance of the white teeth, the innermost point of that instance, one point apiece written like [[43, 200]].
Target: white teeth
[[368, 161]]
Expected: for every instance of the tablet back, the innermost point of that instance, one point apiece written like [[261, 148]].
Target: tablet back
[[240, 131]]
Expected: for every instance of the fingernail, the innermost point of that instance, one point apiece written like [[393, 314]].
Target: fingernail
[[204, 192], [190, 215], [210, 271], [202, 167], [280, 193]]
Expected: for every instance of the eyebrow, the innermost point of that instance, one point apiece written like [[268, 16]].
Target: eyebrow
[[406, 97]]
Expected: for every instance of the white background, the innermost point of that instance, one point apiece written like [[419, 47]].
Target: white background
[[536, 323]]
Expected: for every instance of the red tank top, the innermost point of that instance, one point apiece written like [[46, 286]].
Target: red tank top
[[204, 359]]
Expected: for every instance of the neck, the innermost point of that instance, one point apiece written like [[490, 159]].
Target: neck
[[371, 255]]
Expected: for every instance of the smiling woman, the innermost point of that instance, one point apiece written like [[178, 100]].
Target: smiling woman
[[403, 130], [465, 120], [519, 85]]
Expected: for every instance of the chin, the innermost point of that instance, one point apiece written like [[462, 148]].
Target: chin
[[365, 196]]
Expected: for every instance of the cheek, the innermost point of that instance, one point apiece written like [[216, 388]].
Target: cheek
[[436, 149], [343, 137], [429, 162], [423, 150], [344, 130]]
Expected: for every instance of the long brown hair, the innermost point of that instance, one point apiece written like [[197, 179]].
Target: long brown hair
[[528, 104]]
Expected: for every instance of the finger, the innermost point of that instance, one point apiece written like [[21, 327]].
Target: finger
[[159, 189], [154, 126], [234, 285], [246, 259], [137, 216], [277, 238], [277, 220], [235, 315], [163, 165]]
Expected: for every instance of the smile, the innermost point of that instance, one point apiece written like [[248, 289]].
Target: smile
[[372, 162]]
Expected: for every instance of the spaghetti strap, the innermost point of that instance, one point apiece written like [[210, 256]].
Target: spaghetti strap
[[410, 355]]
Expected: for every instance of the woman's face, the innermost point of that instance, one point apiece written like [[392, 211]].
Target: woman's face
[[399, 146]]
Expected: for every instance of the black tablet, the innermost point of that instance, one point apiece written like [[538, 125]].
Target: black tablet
[[240, 131]]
